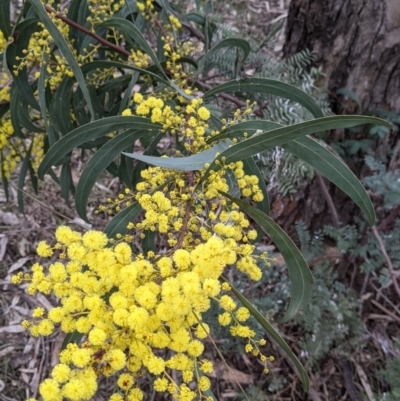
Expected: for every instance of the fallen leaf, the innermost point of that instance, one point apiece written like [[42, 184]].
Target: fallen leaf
[[229, 374], [16, 328], [9, 219], [18, 264], [44, 301], [3, 247], [23, 246], [364, 381], [6, 351]]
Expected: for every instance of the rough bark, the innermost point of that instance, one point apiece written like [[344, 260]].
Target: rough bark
[[309, 205], [357, 42]]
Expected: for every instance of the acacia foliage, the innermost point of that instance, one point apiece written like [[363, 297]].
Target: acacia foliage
[[97, 77]]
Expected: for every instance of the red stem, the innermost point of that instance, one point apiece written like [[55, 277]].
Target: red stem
[[88, 32]]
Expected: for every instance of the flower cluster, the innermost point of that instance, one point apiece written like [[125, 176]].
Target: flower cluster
[[10, 147], [3, 42], [100, 10], [39, 45], [133, 311], [142, 313]]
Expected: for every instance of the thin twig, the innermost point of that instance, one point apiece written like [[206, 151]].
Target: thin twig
[[121, 50], [49, 208], [363, 289], [385, 223], [184, 225], [381, 294], [157, 22], [87, 31], [238, 102], [328, 199], [388, 261], [194, 32], [387, 311]]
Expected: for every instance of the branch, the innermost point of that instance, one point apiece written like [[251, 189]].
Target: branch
[[387, 259], [194, 32], [184, 226], [328, 199], [386, 222], [238, 102], [121, 50], [88, 32]]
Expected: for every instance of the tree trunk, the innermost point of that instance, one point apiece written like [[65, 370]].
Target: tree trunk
[[357, 42]]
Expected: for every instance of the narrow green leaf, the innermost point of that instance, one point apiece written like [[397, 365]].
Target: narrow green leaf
[[114, 84], [112, 168], [82, 18], [60, 115], [99, 162], [270, 87], [331, 167], [215, 123], [15, 101], [275, 335], [72, 14], [5, 26], [226, 43], [280, 136], [194, 17], [14, 50], [231, 180], [119, 223], [85, 133], [299, 272], [160, 48], [208, 393], [54, 177], [128, 92], [24, 89], [188, 60], [189, 163], [249, 127], [64, 49], [25, 119], [66, 182], [129, 8], [125, 168], [3, 177], [75, 337], [42, 90], [148, 242], [33, 177], [79, 107], [95, 98], [4, 108]]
